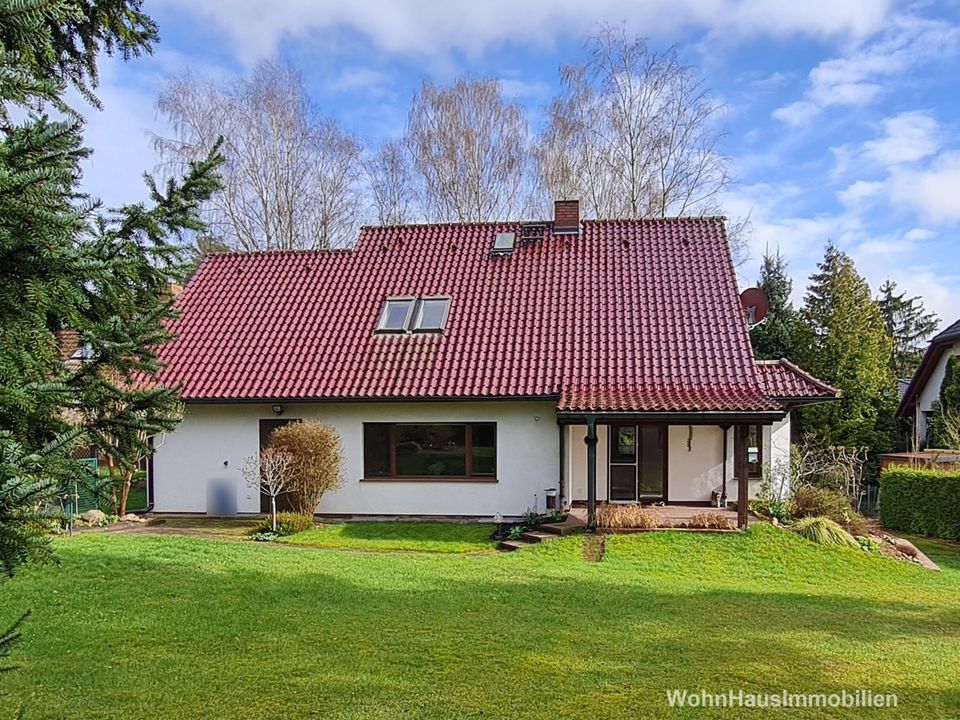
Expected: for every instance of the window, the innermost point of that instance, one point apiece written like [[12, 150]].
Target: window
[[395, 315], [755, 451], [431, 314], [422, 451]]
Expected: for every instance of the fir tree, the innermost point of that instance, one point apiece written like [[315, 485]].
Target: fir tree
[[910, 326], [774, 338], [843, 341], [66, 265]]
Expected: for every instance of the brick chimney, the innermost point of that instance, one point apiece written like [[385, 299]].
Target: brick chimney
[[566, 217]]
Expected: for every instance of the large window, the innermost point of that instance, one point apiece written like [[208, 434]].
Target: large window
[[411, 314], [418, 451]]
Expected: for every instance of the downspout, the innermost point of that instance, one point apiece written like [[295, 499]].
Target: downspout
[[726, 440], [561, 502], [591, 441]]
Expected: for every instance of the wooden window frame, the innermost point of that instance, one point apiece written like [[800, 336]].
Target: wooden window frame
[[470, 476]]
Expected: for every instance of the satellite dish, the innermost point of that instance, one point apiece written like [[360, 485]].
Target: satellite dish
[[755, 304]]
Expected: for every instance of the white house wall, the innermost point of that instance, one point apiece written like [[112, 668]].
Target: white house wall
[[930, 393], [214, 440]]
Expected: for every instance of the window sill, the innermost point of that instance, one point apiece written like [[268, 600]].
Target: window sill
[[430, 479]]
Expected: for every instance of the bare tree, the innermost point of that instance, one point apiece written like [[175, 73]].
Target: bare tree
[[271, 473], [391, 181], [633, 134], [814, 462], [291, 176], [469, 148]]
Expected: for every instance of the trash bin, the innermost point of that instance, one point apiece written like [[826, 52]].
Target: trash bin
[[221, 496]]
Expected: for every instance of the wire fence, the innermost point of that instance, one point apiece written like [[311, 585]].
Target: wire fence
[[870, 500]]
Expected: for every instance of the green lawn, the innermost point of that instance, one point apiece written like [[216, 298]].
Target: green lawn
[[442, 537], [168, 627]]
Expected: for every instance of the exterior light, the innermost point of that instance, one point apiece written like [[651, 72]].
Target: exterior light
[[498, 519], [278, 410]]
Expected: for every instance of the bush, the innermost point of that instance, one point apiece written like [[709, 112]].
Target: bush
[[627, 516], [288, 523], [824, 531], [770, 510], [317, 458], [810, 501], [711, 521], [921, 501]]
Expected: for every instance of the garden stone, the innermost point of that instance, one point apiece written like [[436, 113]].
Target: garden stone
[[94, 516], [130, 517]]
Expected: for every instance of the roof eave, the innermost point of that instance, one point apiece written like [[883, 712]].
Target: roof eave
[[685, 417]]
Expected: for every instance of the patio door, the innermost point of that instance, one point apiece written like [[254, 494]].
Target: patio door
[[638, 463]]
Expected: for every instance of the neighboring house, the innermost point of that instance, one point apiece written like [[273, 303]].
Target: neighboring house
[[475, 369], [924, 390]]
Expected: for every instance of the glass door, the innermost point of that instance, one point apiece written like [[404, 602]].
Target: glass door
[[638, 463], [623, 463]]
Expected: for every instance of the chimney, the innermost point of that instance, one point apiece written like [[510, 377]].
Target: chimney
[[566, 217]]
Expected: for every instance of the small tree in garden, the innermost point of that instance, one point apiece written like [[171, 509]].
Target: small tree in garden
[[317, 459], [271, 473]]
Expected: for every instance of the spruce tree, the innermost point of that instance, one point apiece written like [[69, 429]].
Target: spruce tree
[[774, 338], [844, 341], [910, 326], [67, 265]]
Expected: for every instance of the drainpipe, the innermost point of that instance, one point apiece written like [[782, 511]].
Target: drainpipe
[[591, 441]]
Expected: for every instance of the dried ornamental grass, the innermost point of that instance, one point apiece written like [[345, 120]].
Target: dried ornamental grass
[[613, 516], [711, 521]]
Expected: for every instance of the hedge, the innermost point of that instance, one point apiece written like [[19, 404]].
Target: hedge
[[921, 501]]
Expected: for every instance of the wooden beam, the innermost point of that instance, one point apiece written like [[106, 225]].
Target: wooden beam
[[740, 467], [591, 441]]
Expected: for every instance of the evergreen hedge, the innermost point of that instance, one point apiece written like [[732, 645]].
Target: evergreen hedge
[[921, 501]]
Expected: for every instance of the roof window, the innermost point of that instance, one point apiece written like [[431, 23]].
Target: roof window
[[431, 315], [395, 316], [410, 314]]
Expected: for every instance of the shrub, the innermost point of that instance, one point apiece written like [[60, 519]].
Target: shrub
[[921, 501], [824, 531], [288, 523], [317, 458], [770, 510], [810, 501], [627, 516], [711, 521]]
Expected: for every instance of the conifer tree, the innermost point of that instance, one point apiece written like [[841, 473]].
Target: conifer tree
[[844, 341], [775, 337], [909, 325], [67, 265]]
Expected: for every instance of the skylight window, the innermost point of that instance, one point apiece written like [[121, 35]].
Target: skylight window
[[432, 314], [395, 316], [503, 243]]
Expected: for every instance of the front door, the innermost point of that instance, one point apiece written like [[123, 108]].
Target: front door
[[266, 430], [638, 463]]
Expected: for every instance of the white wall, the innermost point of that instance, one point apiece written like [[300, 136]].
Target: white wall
[[692, 475], [527, 457], [930, 393]]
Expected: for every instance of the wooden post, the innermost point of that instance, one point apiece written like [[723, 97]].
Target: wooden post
[[561, 500], [591, 441], [726, 450], [743, 487]]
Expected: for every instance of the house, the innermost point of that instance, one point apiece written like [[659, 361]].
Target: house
[[483, 368], [923, 391]]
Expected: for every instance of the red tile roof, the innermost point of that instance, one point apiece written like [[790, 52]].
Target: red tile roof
[[636, 315], [783, 380]]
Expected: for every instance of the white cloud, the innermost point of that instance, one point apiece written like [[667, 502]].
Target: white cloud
[[930, 191], [869, 70], [525, 90], [359, 79], [908, 137], [860, 191], [423, 27]]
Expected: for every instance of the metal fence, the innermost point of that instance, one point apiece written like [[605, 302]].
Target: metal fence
[[870, 500]]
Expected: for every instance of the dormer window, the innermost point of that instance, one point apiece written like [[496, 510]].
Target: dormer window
[[395, 316], [431, 315], [409, 314]]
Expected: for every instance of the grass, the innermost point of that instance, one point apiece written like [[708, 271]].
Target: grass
[[437, 537], [175, 628]]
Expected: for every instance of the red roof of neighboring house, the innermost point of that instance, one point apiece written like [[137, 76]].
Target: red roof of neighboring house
[[783, 380], [638, 315]]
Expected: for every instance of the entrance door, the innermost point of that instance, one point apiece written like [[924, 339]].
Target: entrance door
[[266, 430], [638, 463]]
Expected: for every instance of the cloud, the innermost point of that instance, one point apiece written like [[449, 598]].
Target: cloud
[[256, 29], [359, 79], [860, 191], [930, 191], [908, 137], [525, 90], [866, 72]]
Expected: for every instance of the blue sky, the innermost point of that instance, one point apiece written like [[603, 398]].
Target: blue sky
[[843, 117]]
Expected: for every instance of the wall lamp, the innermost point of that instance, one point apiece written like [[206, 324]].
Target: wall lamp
[[278, 410]]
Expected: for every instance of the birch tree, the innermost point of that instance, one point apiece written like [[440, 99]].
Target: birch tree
[[633, 133], [469, 149], [392, 185], [291, 177]]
